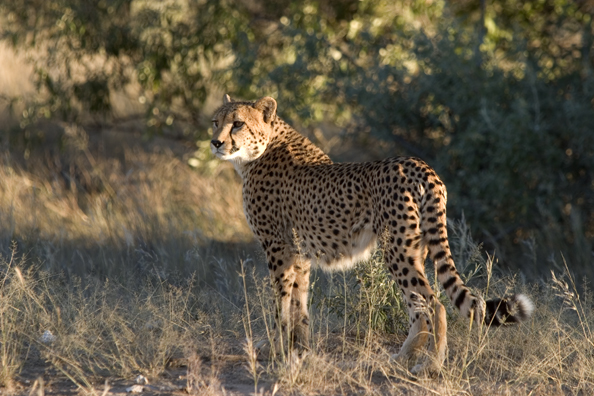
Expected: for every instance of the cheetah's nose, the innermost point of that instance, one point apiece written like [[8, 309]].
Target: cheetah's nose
[[216, 143]]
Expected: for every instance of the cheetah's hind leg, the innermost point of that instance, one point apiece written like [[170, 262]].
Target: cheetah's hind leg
[[428, 325], [416, 340], [436, 356]]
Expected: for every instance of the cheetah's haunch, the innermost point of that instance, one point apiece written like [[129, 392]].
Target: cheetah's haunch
[[305, 209]]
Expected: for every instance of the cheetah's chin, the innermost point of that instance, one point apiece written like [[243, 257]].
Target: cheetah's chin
[[238, 155]]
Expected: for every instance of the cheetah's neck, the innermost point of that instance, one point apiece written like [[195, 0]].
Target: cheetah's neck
[[287, 146], [293, 146]]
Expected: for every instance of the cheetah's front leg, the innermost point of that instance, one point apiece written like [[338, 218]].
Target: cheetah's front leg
[[290, 279], [299, 300]]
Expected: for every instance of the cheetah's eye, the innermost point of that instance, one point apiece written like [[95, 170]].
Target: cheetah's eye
[[215, 124], [238, 124]]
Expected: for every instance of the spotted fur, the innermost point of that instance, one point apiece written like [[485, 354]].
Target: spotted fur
[[304, 209]]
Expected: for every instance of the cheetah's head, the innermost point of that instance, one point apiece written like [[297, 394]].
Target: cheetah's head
[[241, 130]]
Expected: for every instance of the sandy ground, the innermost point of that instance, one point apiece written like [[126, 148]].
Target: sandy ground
[[232, 376]]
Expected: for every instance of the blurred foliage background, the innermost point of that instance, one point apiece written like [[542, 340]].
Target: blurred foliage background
[[498, 96]]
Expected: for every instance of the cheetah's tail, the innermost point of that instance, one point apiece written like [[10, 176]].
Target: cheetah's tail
[[508, 310]]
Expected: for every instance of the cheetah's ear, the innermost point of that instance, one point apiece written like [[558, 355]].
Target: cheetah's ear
[[227, 99], [267, 106]]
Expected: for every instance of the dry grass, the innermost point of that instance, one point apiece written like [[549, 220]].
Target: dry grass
[[132, 260], [551, 354], [16, 78], [110, 254], [89, 212]]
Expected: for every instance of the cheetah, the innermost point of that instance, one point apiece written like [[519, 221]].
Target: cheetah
[[306, 210]]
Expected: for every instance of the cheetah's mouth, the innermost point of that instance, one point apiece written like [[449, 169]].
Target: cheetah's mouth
[[216, 151], [222, 154], [227, 155]]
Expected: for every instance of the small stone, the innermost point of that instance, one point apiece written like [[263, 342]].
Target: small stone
[[141, 379], [47, 337], [135, 389]]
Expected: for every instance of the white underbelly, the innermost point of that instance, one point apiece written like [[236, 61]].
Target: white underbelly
[[363, 244]]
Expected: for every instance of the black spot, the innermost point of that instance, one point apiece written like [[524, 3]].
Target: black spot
[[439, 256], [444, 268], [460, 298], [447, 284]]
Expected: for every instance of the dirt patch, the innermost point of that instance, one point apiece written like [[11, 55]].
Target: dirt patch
[[226, 376]]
